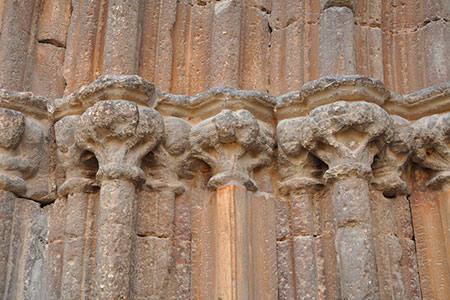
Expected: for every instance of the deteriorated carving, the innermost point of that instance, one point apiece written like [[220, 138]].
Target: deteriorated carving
[[21, 143], [233, 144], [142, 234], [431, 147], [347, 136], [120, 134], [170, 161], [297, 167], [79, 177], [390, 166]]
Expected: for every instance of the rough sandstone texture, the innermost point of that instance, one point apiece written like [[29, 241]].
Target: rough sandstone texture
[[321, 170]]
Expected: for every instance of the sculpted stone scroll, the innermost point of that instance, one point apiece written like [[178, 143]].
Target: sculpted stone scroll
[[119, 133], [232, 144]]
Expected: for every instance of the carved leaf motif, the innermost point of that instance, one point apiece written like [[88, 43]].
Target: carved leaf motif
[[347, 136], [232, 144], [120, 133]]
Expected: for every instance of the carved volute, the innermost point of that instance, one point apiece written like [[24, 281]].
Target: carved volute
[[233, 144]]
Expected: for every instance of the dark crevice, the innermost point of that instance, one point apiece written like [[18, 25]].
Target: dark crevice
[[262, 8], [52, 42], [152, 235], [42, 205]]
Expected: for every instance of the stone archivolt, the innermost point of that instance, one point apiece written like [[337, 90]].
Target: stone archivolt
[[277, 196]]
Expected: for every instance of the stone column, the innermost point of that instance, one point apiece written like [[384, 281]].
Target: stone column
[[119, 133], [122, 37], [337, 38], [299, 172], [391, 217], [156, 259], [77, 186], [431, 204], [234, 144], [347, 136]]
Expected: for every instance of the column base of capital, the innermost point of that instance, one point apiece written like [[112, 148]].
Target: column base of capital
[[225, 178], [73, 185], [117, 171], [347, 170], [295, 183]]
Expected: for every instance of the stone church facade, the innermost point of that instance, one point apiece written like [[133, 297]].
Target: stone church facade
[[232, 149]]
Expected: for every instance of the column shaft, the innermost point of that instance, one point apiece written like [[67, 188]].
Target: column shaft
[[74, 247], [232, 243], [6, 221], [357, 266], [304, 244], [114, 239]]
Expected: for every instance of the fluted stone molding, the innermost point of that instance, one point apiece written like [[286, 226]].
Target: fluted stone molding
[[212, 141], [119, 133], [347, 136], [432, 226]]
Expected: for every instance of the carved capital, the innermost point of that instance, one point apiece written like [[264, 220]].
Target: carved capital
[[119, 133], [431, 147], [347, 136], [390, 165], [233, 144], [297, 167], [21, 142], [169, 160], [75, 162]]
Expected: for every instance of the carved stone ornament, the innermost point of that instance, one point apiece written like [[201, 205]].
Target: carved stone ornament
[[390, 165], [347, 136], [120, 133], [431, 147], [233, 144], [297, 167], [169, 160], [21, 146], [79, 177]]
